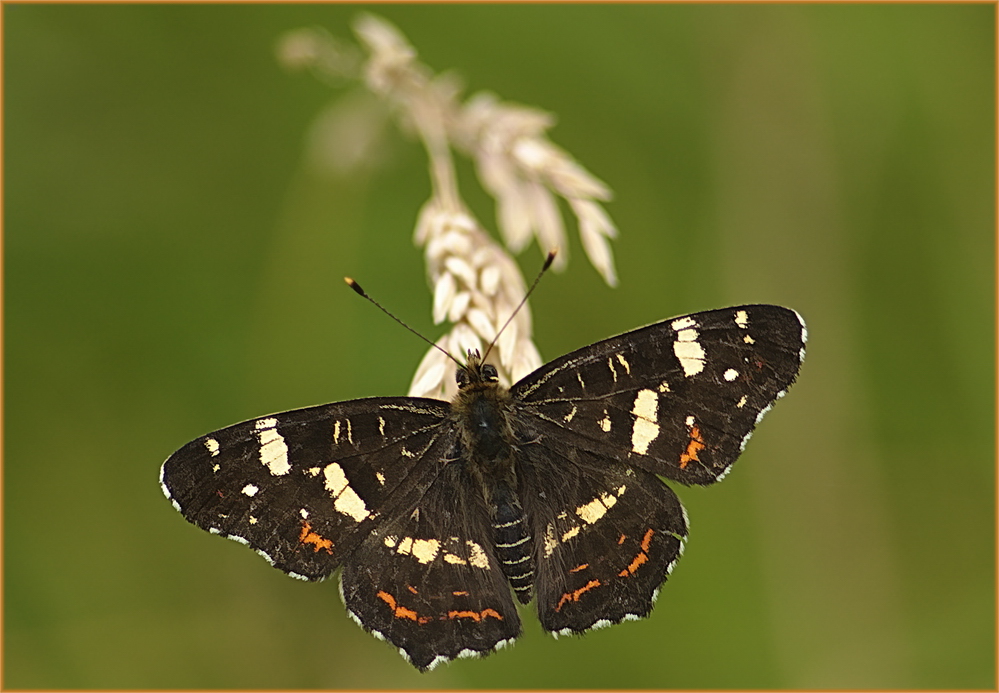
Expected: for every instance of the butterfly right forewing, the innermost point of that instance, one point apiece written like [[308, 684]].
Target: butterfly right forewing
[[678, 398]]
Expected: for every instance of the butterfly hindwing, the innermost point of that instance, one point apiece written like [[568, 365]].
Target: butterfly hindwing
[[298, 486], [678, 398], [606, 537], [428, 581]]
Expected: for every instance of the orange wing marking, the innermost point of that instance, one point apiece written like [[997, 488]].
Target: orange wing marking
[[401, 611], [309, 537], [475, 615], [574, 596], [581, 566], [642, 556], [695, 445]]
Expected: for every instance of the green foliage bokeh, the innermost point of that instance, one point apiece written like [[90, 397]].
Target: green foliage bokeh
[[173, 263]]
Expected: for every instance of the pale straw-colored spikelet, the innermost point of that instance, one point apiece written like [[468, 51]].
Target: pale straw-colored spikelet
[[477, 287], [476, 284], [524, 171]]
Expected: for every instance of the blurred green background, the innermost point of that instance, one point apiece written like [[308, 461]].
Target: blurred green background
[[173, 262]]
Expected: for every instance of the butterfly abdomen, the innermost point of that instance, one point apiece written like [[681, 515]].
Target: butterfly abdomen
[[514, 547]]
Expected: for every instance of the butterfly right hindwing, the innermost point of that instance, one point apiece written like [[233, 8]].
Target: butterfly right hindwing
[[606, 535]]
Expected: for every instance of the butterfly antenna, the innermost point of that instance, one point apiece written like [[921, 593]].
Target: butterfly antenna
[[544, 268], [360, 292]]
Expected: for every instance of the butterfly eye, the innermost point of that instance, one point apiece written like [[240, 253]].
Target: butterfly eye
[[489, 372], [461, 376]]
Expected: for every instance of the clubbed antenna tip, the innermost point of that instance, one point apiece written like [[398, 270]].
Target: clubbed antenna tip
[[360, 292], [355, 286]]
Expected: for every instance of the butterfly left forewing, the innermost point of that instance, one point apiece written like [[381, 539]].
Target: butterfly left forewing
[[302, 487], [678, 398]]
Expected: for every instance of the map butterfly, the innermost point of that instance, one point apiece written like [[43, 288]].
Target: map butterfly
[[443, 515]]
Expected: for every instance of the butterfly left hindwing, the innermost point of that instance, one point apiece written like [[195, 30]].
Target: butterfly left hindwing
[[428, 579], [441, 514]]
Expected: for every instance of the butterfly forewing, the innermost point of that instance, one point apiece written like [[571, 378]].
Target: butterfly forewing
[[301, 487], [678, 398]]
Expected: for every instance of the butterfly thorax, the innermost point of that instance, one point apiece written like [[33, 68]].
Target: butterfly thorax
[[482, 410]]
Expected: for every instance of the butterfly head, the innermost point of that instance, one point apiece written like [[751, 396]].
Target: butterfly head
[[475, 372]]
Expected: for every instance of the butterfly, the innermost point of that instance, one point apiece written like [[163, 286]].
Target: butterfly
[[442, 515]]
